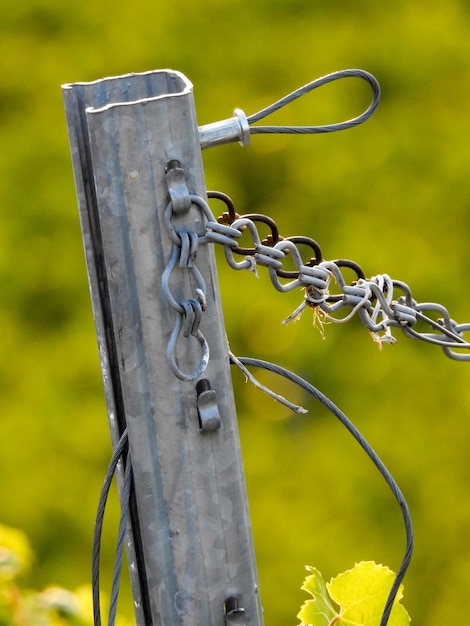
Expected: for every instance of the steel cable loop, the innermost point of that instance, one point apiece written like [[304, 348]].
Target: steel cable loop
[[326, 128], [375, 300], [390, 481]]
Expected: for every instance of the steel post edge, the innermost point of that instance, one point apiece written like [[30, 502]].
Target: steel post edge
[[190, 528], [77, 97]]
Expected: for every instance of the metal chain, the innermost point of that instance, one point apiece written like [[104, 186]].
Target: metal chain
[[188, 312], [380, 302]]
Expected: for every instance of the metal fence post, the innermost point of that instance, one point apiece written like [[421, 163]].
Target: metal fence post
[[189, 540]]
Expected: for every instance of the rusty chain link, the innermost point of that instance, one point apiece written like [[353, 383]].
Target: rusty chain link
[[380, 302]]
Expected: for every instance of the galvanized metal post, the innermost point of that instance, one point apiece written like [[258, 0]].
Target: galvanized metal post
[[190, 545]]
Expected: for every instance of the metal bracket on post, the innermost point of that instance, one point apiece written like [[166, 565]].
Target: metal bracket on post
[[177, 187], [208, 411], [236, 128], [189, 537]]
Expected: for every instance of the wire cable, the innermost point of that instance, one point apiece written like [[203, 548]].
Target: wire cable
[[118, 454], [326, 128], [346, 422], [125, 498]]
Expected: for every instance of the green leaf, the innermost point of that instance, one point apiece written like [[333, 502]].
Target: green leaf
[[360, 593], [319, 611]]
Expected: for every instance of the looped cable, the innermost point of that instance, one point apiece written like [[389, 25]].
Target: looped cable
[[240, 127], [326, 128], [245, 362]]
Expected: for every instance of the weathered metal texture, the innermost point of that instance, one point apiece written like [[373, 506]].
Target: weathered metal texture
[[190, 528]]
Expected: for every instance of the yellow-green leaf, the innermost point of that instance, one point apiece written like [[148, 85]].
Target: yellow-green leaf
[[362, 592], [359, 593], [318, 611]]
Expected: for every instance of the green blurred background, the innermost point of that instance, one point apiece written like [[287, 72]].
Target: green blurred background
[[392, 195]]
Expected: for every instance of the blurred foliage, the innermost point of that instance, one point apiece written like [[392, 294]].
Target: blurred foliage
[[392, 195], [20, 606]]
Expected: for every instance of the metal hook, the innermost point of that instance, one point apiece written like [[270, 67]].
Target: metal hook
[[171, 353]]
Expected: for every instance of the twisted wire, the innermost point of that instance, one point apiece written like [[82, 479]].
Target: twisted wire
[[380, 302], [390, 481], [125, 498], [119, 453], [326, 128]]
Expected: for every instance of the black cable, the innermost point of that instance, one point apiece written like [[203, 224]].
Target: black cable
[[125, 498], [370, 453], [119, 452], [95, 564]]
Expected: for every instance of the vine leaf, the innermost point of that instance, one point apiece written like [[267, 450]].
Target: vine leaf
[[360, 594], [319, 611]]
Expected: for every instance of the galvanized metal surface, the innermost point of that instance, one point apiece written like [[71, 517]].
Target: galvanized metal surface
[[236, 128], [190, 527]]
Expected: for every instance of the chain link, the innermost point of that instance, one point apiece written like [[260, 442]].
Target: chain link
[[188, 312], [380, 302]]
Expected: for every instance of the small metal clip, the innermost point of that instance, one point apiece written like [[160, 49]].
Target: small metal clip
[[208, 411], [232, 610], [179, 194]]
